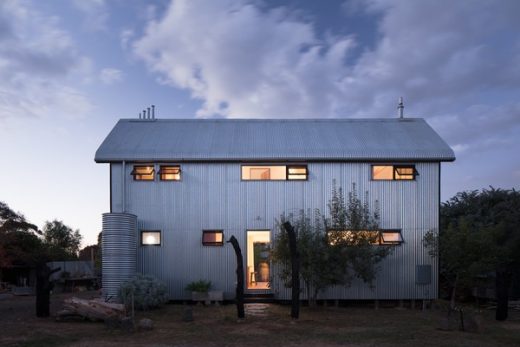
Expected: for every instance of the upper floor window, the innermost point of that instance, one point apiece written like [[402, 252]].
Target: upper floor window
[[394, 172], [212, 237], [274, 172], [170, 173], [143, 172]]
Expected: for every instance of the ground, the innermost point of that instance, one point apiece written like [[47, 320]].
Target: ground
[[265, 326]]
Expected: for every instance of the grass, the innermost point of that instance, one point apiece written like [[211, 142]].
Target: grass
[[218, 326]]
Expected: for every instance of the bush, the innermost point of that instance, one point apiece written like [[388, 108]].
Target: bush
[[148, 292], [200, 286]]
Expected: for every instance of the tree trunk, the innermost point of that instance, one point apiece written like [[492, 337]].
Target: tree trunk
[[43, 289], [295, 271], [454, 293], [240, 277], [502, 283]]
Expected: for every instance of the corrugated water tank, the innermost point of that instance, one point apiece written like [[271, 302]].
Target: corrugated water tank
[[119, 252]]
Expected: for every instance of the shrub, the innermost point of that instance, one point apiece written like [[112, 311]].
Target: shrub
[[200, 286], [148, 292]]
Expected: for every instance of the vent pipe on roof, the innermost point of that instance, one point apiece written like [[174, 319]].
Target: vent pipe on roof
[[144, 114], [400, 107], [149, 116], [153, 111]]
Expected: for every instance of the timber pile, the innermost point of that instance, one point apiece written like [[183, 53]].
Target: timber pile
[[94, 309], [514, 305]]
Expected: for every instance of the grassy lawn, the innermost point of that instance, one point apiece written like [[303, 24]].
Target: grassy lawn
[[218, 326]]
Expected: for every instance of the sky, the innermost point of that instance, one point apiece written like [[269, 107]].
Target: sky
[[69, 69]]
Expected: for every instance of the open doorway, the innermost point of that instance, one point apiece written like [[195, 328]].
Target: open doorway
[[258, 268]]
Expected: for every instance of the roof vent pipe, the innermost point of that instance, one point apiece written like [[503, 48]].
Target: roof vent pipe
[[144, 114], [149, 117], [400, 107], [153, 111]]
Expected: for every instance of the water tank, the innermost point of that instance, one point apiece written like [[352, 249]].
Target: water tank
[[119, 240]]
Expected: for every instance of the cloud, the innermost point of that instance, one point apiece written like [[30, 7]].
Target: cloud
[[110, 75], [95, 12], [36, 60], [252, 61], [248, 62]]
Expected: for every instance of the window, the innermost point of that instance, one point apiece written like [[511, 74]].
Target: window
[[297, 172], [212, 237], [391, 237], [352, 236], [274, 172], [150, 237], [394, 172], [143, 172], [376, 237], [170, 173]]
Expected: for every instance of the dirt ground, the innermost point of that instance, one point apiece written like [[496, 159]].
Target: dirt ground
[[267, 325]]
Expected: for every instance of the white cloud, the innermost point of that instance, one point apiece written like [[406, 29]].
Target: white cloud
[[247, 62], [110, 75], [36, 60], [125, 36], [242, 60], [95, 12]]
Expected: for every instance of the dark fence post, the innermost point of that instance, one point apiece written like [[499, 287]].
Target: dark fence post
[[295, 271], [240, 277], [43, 289]]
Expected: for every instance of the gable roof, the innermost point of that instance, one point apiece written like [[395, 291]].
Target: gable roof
[[273, 140]]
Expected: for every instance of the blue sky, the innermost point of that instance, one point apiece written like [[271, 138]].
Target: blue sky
[[69, 69]]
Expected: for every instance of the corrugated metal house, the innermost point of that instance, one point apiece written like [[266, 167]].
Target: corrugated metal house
[[179, 188]]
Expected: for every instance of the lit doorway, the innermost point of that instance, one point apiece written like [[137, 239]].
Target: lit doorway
[[258, 268]]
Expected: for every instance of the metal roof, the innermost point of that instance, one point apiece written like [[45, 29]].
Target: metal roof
[[273, 140]]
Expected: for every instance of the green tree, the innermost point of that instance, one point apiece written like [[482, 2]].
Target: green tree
[[479, 232], [334, 249], [62, 241], [19, 242]]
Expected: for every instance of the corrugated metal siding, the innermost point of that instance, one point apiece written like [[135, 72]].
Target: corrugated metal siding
[[119, 252], [273, 139], [212, 196]]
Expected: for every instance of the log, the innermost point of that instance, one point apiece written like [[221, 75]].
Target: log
[[240, 277], [95, 309]]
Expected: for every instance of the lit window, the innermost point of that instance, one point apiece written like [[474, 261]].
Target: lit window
[[143, 172], [376, 237], [297, 172], [391, 237], [170, 173], [353, 236], [394, 172], [274, 172], [212, 237], [151, 237]]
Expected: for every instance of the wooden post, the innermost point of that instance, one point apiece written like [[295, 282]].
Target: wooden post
[[240, 277], [43, 289], [295, 271]]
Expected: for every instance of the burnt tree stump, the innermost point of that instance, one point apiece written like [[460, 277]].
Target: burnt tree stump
[[295, 271], [43, 289], [240, 277]]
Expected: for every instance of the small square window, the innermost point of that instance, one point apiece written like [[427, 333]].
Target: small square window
[[150, 237], [391, 237], [295, 172], [404, 172], [170, 173], [143, 172], [213, 237]]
